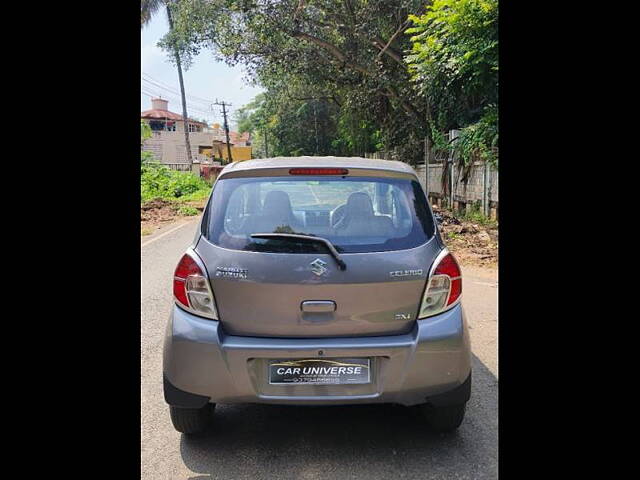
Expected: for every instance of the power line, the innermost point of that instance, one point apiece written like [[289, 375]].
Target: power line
[[191, 107], [155, 86], [175, 96], [207, 100], [172, 88]]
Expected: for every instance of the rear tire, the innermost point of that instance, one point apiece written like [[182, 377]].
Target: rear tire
[[191, 420], [445, 419]]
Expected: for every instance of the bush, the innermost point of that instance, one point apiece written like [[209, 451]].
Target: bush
[[188, 211], [158, 181], [146, 158]]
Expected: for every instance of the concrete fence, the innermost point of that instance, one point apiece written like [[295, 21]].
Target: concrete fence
[[381, 155], [480, 190], [181, 167]]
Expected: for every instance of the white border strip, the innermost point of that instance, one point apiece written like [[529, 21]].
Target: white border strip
[[165, 233]]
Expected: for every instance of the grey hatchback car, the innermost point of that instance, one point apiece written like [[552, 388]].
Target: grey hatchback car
[[317, 281]]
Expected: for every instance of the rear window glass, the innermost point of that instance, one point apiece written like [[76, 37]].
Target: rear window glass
[[356, 214]]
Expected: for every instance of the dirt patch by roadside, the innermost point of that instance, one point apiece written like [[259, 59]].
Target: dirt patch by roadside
[[157, 213], [471, 243]]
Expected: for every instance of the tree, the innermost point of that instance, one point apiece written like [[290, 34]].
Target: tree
[[145, 131], [254, 118], [148, 9], [454, 64], [337, 52], [343, 77]]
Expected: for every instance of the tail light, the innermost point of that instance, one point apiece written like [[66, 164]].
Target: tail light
[[191, 288], [318, 171], [444, 286]]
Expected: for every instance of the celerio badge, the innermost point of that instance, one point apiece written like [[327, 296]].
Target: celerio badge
[[406, 273]]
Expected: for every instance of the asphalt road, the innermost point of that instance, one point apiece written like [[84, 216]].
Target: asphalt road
[[351, 442]]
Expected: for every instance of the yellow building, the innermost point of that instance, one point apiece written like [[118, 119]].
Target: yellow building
[[238, 154], [240, 146], [241, 153]]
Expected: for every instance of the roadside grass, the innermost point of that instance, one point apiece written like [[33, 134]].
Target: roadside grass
[[453, 236], [200, 195], [474, 215], [188, 211], [167, 195], [184, 189]]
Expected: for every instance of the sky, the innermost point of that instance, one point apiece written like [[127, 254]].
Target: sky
[[204, 82]]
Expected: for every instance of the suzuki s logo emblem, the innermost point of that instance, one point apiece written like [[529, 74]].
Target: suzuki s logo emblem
[[319, 267]]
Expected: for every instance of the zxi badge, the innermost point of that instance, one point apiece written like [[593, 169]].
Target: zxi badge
[[319, 267]]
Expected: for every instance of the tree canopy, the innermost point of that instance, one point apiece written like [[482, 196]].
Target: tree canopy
[[454, 64], [343, 77]]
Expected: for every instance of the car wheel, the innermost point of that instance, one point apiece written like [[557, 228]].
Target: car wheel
[[444, 419], [191, 420]]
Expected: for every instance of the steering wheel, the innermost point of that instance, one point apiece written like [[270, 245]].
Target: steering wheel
[[337, 214]]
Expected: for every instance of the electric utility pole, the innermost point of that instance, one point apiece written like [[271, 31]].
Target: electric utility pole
[[266, 144], [226, 126]]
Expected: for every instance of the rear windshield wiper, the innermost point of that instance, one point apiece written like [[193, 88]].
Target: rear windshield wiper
[[309, 238]]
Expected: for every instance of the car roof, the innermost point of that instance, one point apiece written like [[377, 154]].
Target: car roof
[[319, 162]]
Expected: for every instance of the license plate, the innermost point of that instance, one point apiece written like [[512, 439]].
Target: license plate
[[325, 371]]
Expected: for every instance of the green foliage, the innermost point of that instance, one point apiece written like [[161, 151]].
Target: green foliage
[[148, 8], [198, 195], [454, 64], [475, 215], [454, 59], [297, 119], [479, 141], [336, 76], [145, 158], [440, 142], [476, 142], [356, 133], [452, 236], [158, 181], [252, 115], [255, 118], [188, 210], [145, 131], [330, 87]]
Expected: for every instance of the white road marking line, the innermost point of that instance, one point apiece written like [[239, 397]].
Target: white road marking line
[[165, 233], [314, 194]]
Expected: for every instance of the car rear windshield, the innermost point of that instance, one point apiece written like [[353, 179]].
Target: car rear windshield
[[356, 214]]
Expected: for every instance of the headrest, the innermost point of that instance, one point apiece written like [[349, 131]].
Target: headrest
[[277, 204], [359, 205]]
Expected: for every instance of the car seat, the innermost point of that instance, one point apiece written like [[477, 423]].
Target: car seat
[[360, 220]]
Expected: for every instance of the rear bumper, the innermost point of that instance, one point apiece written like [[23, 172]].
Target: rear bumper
[[430, 364]]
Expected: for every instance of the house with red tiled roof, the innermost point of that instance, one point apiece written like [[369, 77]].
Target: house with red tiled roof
[[240, 139], [161, 119], [167, 142]]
